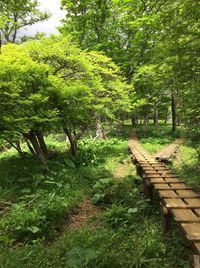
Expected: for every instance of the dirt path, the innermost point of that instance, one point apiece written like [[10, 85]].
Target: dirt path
[[86, 211]]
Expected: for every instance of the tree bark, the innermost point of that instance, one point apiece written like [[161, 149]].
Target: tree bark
[[30, 147], [42, 143], [166, 117], [174, 115], [19, 149], [39, 152], [17, 146], [155, 116], [72, 141], [99, 129], [146, 120], [134, 121]]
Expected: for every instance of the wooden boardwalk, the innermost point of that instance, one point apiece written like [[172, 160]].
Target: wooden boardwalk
[[169, 151], [178, 200]]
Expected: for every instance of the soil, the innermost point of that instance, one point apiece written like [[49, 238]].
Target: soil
[[85, 212], [120, 171]]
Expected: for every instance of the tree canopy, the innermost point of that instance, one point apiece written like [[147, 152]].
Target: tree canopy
[[52, 84], [15, 15]]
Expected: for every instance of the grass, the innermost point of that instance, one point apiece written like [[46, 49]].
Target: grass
[[34, 215], [153, 139], [186, 164]]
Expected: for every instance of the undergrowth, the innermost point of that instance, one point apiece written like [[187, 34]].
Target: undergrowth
[[153, 139], [36, 204]]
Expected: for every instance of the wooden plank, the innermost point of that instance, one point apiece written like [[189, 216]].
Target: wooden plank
[[192, 201], [151, 173], [197, 211], [166, 173], [177, 194], [184, 215], [196, 261], [170, 186], [178, 203], [162, 168], [169, 176], [192, 231], [148, 168], [161, 186], [197, 247], [151, 176], [173, 202], [168, 194], [163, 181], [187, 193]]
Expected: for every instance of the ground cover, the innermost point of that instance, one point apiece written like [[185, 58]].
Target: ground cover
[[186, 164], [83, 212], [153, 139]]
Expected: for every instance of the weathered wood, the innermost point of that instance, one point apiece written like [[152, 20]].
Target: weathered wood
[[177, 194], [178, 199], [185, 215], [196, 261], [165, 217]]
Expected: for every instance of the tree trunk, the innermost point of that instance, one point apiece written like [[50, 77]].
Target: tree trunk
[[99, 130], [155, 116], [174, 116], [72, 141], [42, 143], [30, 147], [166, 117], [146, 120], [134, 121], [39, 152], [19, 149]]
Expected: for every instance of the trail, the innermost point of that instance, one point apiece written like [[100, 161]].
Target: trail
[[86, 211], [178, 201], [169, 151]]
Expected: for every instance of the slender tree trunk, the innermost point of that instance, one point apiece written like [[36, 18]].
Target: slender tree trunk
[[72, 141], [99, 129], [17, 147], [134, 121], [42, 143], [146, 120], [174, 116], [155, 116], [166, 117], [30, 147]]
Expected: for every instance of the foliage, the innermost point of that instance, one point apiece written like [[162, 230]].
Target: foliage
[[15, 15], [186, 163], [155, 43], [80, 257], [154, 139], [138, 235], [51, 84]]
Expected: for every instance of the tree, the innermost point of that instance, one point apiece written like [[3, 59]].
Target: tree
[[88, 85], [25, 106], [15, 15]]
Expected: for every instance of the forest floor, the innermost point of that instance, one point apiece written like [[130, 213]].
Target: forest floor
[[88, 211]]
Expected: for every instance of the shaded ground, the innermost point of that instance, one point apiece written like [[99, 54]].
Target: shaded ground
[[84, 214]]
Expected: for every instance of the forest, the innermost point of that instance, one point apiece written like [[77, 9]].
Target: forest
[[120, 74]]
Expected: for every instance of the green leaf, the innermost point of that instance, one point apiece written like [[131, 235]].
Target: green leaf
[[34, 229], [132, 210]]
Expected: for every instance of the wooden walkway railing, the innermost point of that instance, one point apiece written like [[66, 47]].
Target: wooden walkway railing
[[178, 200]]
